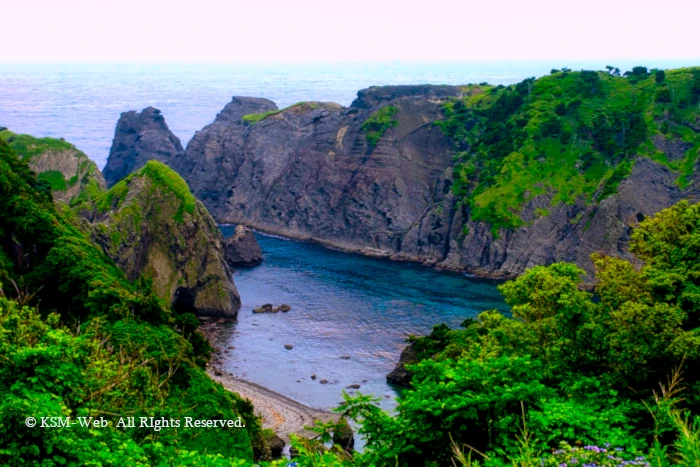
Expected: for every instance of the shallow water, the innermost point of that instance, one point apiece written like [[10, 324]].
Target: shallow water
[[342, 305]]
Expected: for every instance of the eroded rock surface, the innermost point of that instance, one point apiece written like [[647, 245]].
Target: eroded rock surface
[[319, 171], [151, 226], [242, 249], [139, 138]]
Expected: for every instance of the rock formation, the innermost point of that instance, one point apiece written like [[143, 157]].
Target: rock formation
[[242, 249], [400, 375], [73, 177], [151, 226], [376, 178], [139, 138]]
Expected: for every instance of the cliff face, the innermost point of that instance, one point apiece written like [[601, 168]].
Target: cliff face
[[378, 178], [72, 175], [151, 226], [139, 138], [310, 172]]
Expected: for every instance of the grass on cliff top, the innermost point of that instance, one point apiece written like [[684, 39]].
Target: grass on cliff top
[[55, 179], [378, 123], [569, 135], [162, 177], [27, 146], [303, 106]]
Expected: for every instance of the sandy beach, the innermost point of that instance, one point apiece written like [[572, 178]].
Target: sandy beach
[[283, 415]]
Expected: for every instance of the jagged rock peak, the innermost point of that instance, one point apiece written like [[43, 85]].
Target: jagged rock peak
[[138, 138], [241, 106], [150, 225], [375, 95]]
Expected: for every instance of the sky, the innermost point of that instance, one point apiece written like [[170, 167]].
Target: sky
[[358, 30]]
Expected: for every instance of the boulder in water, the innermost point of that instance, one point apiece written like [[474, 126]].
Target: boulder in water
[[242, 249]]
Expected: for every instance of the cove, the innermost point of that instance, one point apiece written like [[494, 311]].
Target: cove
[[343, 304]]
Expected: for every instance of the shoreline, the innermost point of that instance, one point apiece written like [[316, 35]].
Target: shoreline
[[399, 257], [283, 415]]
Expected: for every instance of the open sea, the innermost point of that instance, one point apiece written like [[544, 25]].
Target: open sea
[[81, 102]]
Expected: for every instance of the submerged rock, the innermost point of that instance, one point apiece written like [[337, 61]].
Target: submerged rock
[[268, 308], [151, 226], [242, 249], [288, 346], [400, 375]]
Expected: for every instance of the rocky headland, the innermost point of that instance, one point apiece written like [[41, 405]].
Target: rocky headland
[[379, 178], [73, 177], [151, 226]]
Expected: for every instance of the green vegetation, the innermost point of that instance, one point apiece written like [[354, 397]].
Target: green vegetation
[[78, 339], [378, 123], [55, 179], [28, 146], [161, 176], [572, 378], [87, 175], [299, 106], [568, 136]]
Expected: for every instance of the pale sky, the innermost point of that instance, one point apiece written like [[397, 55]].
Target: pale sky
[[358, 30]]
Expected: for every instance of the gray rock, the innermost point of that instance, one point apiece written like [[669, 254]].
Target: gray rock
[[153, 231], [242, 249], [307, 172], [138, 138], [400, 375]]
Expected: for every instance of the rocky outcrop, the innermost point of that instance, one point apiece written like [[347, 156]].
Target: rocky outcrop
[[139, 138], [73, 177], [400, 375], [343, 435], [376, 178], [242, 249], [152, 227]]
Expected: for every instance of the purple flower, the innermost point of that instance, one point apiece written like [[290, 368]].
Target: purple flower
[[562, 465]]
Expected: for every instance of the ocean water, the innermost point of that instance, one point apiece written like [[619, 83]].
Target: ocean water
[[82, 102], [342, 305]]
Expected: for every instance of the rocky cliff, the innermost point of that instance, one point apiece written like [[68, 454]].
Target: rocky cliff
[[150, 225], [73, 177], [387, 177], [139, 138]]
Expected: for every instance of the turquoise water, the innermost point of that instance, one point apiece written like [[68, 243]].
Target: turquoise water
[[342, 305], [82, 102]]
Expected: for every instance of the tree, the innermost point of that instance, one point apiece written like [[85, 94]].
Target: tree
[[660, 76]]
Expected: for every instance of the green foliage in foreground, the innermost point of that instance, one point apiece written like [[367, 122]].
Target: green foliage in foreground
[[570, 136], [78, 339], [378, 123], [569, 366]]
